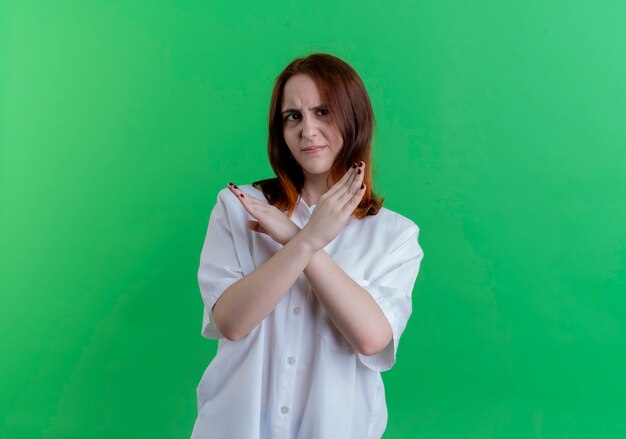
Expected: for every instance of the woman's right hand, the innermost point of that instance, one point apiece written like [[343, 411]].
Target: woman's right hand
[[269, 220], [335, 207]]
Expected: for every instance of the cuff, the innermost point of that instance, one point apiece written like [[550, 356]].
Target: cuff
[[396, 306]]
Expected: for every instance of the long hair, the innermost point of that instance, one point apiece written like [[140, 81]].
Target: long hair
[[350, 110]]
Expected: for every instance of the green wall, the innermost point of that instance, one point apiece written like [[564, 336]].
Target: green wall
[[501, 133]]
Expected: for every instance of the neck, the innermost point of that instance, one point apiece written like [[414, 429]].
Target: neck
[[314, 187]]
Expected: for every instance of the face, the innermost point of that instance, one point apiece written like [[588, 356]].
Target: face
[[309, 133]]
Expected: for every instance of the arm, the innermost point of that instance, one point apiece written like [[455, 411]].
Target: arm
[[248, 301], [352, 309], [245, 303]]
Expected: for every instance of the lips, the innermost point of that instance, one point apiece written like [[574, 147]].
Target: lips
[[312, 148]]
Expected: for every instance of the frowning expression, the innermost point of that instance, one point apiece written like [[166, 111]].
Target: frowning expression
[[312, 138]]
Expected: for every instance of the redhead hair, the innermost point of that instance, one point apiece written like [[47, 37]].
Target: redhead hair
[[350, 110]]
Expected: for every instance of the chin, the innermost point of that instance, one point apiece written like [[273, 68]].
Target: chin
[[316, 170]]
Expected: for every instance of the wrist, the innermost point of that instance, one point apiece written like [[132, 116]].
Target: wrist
[[294, 233], [305, 241]]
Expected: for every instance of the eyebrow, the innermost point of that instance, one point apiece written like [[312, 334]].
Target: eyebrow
[[295, 110]]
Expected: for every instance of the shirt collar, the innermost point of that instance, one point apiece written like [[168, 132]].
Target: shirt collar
[[305, 206]]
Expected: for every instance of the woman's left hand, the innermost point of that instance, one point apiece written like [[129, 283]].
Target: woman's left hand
[[269, 220]]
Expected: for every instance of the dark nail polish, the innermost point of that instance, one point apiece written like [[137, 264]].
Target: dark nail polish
[[241, 195], [361, 164], [353, 165], [358, 171], [235, 186], [362, 186], [229, 183]]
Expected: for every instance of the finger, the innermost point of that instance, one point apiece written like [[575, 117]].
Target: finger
[[340, 187], [238, 192], [246, 200], [346, 177], [355, 200], [345, 194]]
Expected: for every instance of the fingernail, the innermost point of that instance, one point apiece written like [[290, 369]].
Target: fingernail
[[235, 186], [361, 164], [353, 165], [229, 183], [362, 186], [241, 195], [358, 171]]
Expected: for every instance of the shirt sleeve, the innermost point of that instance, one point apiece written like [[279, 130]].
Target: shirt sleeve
[[392, 288], [219, 264]]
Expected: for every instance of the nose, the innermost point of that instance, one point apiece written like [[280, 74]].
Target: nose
[[309, 127]]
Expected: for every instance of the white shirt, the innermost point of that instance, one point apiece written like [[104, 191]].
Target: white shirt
[[294, 375]]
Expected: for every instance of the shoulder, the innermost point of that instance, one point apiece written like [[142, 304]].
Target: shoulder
[[391, 223], [385, 232]]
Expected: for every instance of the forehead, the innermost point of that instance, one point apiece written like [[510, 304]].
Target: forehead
[[301, 90]]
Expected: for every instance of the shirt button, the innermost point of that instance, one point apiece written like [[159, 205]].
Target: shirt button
[[291, 360], [296, 311], [284, 409]]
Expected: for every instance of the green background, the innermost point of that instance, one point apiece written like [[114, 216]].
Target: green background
[[501, 133]]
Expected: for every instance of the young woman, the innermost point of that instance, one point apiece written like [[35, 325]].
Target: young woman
[[306, 279]]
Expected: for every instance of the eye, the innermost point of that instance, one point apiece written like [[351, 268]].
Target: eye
[[323, 112], [289, 116]]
